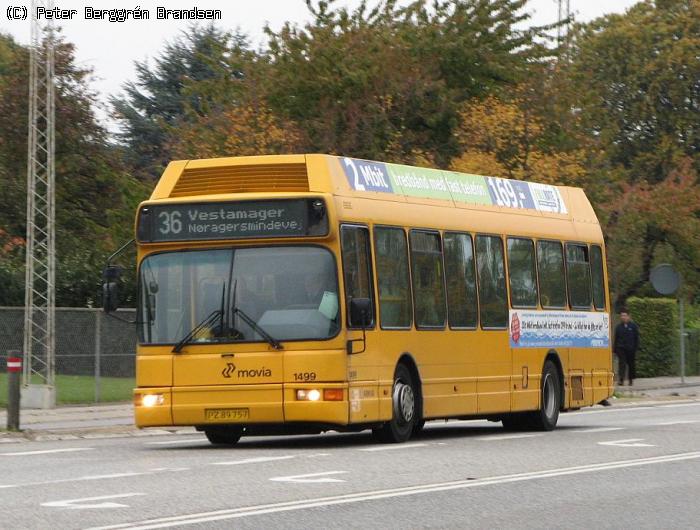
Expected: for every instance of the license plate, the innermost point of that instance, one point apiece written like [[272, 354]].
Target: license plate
[[226, 414]]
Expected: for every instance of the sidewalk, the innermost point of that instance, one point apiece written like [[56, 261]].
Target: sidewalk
[[95, 421]]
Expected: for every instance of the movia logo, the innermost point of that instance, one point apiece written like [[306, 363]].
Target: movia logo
[[367, 176], [260, 372], [230, 368]]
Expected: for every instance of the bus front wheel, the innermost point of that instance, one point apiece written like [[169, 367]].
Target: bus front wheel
[[224, 435], [403, 404]]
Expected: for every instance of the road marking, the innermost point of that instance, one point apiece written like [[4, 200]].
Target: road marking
[[678, 422], [632, 442], [48, 451], [315, 455], [392, 447], [249, 511], [75, 504], [77, 479], [173, 442], [506, 436], [675, 405], [311, 478], [252, 460], [599, 429], [650, 407]]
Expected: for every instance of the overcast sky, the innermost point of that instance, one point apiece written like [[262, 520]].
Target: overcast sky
[[111, 48]]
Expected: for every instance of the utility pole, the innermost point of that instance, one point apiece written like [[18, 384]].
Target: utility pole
[[38, 376], [563, 16]]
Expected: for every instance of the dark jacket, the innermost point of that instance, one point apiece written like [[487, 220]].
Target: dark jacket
[[626, 337]]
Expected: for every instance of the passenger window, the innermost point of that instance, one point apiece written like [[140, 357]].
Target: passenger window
[[578, 276], [493, 306], [597, 277], [550, 268], [428, 280], [521, 272], [356, 267], [391, 252], [461, 280]]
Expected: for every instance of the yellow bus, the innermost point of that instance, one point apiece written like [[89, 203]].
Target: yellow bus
[[306, 293]]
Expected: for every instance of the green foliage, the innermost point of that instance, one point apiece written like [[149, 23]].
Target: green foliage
[[192, 73], [95, 196], [658, 332]]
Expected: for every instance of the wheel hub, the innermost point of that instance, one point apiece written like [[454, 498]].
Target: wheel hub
[[404, 402]]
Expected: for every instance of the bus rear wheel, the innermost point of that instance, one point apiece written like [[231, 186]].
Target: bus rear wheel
[[544, 419], [403, 400], [224, 435]]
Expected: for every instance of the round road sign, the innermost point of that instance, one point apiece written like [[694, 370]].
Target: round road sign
[[665, 279]]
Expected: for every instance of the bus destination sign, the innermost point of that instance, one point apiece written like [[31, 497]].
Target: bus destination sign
[[232, 220]]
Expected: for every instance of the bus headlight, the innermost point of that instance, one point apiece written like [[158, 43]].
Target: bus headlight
[[308, 395], [152, 400]]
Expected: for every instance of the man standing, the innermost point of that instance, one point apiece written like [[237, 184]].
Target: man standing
[[625, 346]]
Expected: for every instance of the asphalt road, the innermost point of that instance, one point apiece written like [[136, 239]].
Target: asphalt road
[[619, 467]]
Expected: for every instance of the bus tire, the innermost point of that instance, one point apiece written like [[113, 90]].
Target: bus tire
[[403, 404], [545, 419], [224, 436]]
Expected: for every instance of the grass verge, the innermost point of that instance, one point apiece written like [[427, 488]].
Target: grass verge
[[80, 389]]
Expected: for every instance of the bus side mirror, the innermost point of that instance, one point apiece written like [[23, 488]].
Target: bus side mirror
[[110, 288], [361, 312], [360, 315]]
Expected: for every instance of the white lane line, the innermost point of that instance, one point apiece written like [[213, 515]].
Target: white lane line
[[76, 479], [599, 429], [248, 511], [311, 478], [86, 504], [392, 447], [505, 436], [48, 451], [676, 405], [651, 407], [677, 422], [173, 442], [631, 442], [257, 460], [316, 455]]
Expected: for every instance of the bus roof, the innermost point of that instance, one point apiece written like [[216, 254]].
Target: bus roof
[[226, 178]]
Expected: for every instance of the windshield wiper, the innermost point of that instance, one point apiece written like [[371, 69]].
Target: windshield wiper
[[264, 334], [207, 322], [252, 323]]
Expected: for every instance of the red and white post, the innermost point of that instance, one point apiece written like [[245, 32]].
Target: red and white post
[[14, 369]]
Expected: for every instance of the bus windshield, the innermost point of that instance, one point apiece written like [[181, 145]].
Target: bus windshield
[[290, 292]]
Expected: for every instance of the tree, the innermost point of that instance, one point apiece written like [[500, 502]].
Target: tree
[[95, 197], [634, 83], [386, 83], [200, 68]]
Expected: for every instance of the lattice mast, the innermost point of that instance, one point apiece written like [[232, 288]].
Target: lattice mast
[[563, 17], [39, 315]]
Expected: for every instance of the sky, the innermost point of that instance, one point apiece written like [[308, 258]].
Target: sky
[[110, 48]]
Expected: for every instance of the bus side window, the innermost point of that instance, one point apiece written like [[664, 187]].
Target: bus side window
[[578, 276], [550, 268], [597, 277], [357, 268], [428, 279], [391, 251], [521, 272], [493, 305], [461, 280]]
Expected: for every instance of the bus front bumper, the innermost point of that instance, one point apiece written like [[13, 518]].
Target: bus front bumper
[[242, 404]]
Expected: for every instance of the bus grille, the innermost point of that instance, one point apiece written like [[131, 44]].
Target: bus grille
[[242, 179]]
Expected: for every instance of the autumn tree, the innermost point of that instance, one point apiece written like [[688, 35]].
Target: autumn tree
[[95, 197], [634, 82], [188, 79]]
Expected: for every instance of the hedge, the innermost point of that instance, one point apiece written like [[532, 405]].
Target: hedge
[[658, 332]]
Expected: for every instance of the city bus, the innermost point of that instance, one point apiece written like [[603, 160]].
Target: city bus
[[305, 293]]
